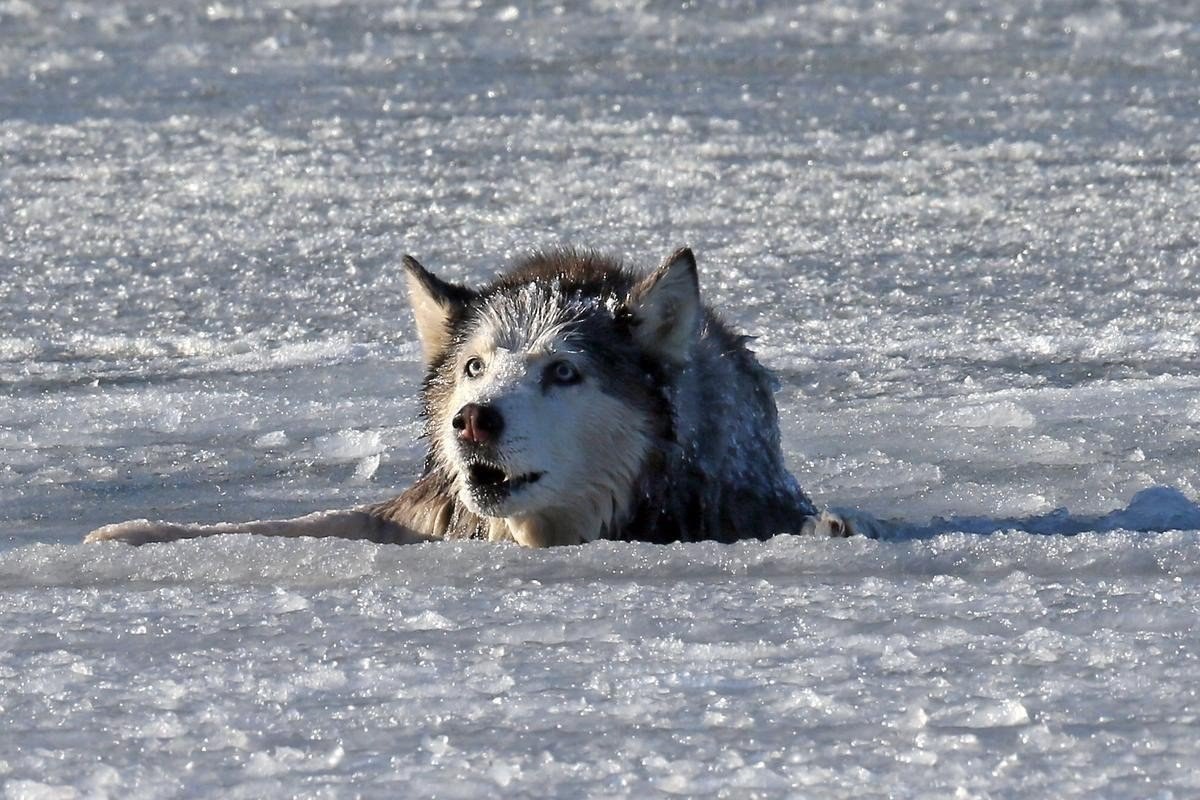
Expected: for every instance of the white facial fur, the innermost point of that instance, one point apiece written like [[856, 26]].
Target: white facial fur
[[587, 443]]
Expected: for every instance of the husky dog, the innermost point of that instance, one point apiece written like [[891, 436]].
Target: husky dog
[[570, 400]]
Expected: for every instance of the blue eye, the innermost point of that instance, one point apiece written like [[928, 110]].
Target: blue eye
[[474, 367], [563, 373]]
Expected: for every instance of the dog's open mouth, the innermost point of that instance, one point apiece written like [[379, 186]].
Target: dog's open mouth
[[490, 479]]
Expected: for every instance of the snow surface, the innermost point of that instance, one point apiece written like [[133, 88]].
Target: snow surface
[[966, 234]]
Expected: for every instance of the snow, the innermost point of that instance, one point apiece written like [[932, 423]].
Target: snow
[[966, 236], [1009, 662]]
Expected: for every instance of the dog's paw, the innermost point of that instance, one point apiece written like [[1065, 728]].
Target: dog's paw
[[138, 531], [843, 524], [828, 525]]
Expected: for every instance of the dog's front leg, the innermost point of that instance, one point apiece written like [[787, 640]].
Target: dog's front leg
[[340, 524]]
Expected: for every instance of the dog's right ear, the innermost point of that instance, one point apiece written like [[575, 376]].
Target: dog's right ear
[[665, 307], [436, 306]]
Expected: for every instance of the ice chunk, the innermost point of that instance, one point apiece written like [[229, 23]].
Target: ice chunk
[[1000, 414], [1001, 714], [349, 445]]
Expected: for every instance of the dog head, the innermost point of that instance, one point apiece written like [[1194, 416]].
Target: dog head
[[548, 391]]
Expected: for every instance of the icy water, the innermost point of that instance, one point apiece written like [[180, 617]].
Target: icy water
[[966, 235]]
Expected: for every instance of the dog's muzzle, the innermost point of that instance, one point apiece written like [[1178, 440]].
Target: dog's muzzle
[[490, 485]]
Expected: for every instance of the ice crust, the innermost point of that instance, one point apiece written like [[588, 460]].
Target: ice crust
[[1015, 663], [966, 236]]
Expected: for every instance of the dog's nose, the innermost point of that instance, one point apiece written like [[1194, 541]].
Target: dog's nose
[[478, 424]]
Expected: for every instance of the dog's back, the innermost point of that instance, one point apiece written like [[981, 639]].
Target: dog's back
[[727, 480]]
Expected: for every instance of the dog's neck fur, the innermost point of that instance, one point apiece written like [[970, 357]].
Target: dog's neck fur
[[537, 530], [433, 507], [587, 523]]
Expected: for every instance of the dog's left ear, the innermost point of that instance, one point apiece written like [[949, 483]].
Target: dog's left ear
[[436, 305], [665, 307]]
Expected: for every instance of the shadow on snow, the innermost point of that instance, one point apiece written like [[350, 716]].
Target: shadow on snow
[[1156, 509]]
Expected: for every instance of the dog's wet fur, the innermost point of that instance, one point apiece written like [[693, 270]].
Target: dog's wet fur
[[573, 399]]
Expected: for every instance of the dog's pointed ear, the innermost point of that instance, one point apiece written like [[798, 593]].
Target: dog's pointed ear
[[436, 305], [665, 307]]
